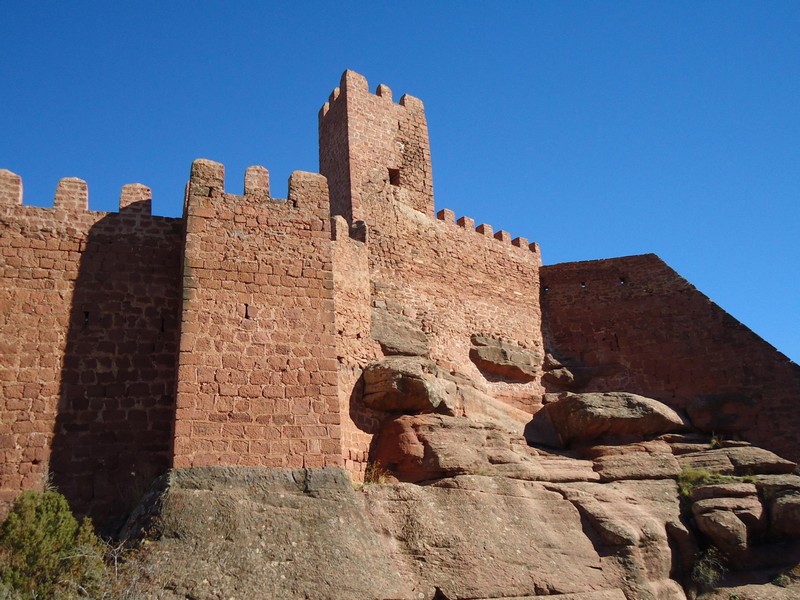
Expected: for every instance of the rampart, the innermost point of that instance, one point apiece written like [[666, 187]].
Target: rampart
[[239, 333], [639, 326], [88, 336]]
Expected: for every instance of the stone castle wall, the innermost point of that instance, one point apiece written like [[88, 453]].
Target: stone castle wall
[[88, 336], [446, 278], [256, 368], [641, 327], [238, 334]]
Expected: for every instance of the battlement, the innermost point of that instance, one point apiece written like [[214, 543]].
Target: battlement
[[306, 190], [353, 83], [448, 216], [72, 194]]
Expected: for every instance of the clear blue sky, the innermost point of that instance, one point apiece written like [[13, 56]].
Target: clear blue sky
[[597, 129]]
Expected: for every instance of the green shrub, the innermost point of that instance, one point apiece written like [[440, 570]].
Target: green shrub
[[45, 553], [708, 569]]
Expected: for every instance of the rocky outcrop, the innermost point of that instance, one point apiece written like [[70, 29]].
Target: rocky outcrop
[[503, 360], [738, 460], [584, 418], [414, 385], [397, 334], [404, 384]]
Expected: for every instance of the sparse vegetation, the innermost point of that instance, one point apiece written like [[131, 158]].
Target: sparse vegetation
[[787, 578], [708, 569], [45, 553], [692, 478], [376, 474]]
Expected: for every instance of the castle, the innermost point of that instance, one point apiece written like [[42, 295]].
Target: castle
[[238, 334]]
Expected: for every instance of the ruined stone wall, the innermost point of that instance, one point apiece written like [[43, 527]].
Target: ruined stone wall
[[257, 369], [641, 327], [88, 337]]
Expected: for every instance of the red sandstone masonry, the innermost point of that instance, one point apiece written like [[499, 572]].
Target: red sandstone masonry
[[367, 139], [88, 337], [257, 382], [663, 338], [454, 279]]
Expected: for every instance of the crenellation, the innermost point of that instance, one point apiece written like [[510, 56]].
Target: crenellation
[[485, 229], [136, 197], [256, 182], [466, 223], [384, 92], [446, 215], [503, 236], [412, 103], [72, 194], [10, 188]]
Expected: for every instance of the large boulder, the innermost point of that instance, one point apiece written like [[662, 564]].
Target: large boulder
[[403, 384], [416, 385], [397, 334], [731, 523], [490, 537], [577, 419], [250, 532], [503, 360]]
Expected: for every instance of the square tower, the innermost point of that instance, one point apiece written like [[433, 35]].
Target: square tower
[[370, 147]]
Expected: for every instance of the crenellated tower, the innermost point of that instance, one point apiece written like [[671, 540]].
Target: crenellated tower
[[368, 146]]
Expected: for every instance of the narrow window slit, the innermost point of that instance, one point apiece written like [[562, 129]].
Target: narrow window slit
[[394, 177], [246, 311]]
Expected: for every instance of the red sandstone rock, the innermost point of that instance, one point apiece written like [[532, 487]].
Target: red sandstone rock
[[579, 418], [398, 334], [502, 359]]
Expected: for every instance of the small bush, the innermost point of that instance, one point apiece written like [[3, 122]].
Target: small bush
[[44, 552], [376, 474], [708, 569]]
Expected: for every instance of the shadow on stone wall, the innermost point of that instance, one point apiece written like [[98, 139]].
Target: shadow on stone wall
[[116, 404]]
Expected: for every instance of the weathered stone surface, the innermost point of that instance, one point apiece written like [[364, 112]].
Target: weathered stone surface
[[715, 461], [518, 526], [580, 418], [425, 447], [785, 515], [402, 384], [774, 485], [415, 448], [637, 465], [398, 334], [731, 523], [254, 532], [639, 520], [739, 460], [722, 413], [504, 360], [724, 490], [748, 459], [559, 376]]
